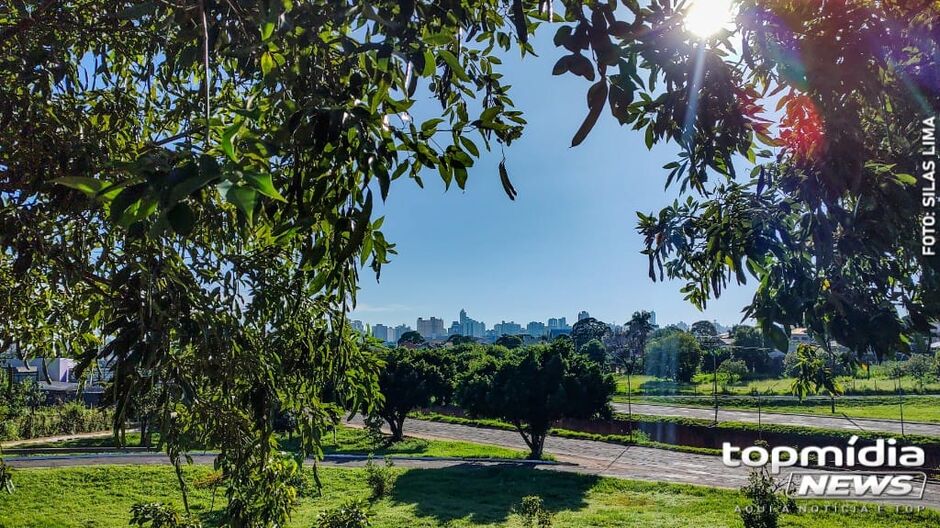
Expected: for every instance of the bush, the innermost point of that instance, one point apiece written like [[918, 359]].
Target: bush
[[735, 369], [373, 424], [380, 478], [533, 512], [766, 504], [69, 418], [352, 514], [159, 515]]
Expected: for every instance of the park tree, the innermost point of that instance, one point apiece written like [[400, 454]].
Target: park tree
[[821, 207], [509, 341], [734, 369], [189, 188], [921, 368], [412, 378], [411, 339], [627, 348], [750, 347], [586, 330], [675, 356], [813, 374], [596, 352], [535, 387]]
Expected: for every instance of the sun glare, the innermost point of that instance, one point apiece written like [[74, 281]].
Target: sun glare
[[707, 17]]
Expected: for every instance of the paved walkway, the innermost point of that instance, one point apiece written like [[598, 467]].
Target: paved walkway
[[806, 420], [633, 462], [582, 456]]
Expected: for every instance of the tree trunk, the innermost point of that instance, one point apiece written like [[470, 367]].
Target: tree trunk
[[536, 446], [397, 425], [144, 432]]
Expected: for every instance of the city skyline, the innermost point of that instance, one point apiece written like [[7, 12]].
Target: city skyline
[[432, 326]]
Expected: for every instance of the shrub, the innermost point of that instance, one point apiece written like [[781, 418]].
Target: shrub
[[210, 480], [373, 423], [159, 515], [69, 418], [301, 482], [735, 369], [380, 478], [352, 514], [766, 504], [533, 512]]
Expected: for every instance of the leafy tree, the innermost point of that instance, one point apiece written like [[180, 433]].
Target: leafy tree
[[535, 387], [458, 339], [411, 339], [735, 369], [826, 223], [509, 341], [596, 352], [586, 330], [675, 356], [921, 368], [749, 347], [813, 375], [627, 350], [188, 188], [412, 378]]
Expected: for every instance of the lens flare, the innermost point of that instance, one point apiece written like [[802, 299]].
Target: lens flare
[[705, 18]]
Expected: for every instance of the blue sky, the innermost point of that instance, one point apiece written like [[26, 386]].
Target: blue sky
[[568, 242]]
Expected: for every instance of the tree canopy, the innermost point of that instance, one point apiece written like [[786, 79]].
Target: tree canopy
[[412, 378], [826, 103], [187, 189], [536, 386]]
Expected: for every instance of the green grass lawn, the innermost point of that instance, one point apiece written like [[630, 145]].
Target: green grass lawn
[[702, 384], [922, 409], [350, 441], [101, 497]]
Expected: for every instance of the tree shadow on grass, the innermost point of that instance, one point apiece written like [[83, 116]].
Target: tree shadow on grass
[[487, 493]]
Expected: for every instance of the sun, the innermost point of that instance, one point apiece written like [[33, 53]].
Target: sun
[[704, 18]]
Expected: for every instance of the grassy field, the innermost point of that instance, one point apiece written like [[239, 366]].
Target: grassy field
[[702, 384], [921, 409], [350, 441], [101, 497]]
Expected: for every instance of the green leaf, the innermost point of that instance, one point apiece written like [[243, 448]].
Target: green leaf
[[454, 65], [267, 63], [89, 186], [182, 219], [244, 198], [267, 29], [263, 184], [228, 137]]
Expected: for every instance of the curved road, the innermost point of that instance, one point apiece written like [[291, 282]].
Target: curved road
[[583, 456], [805, 420]]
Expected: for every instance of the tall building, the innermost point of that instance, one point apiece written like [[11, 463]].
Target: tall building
[[397, 332], [380, 331], [653, 317], [583, 315], [510, 328], [471, 327], [430, 328], [557, 323], [535, 329], [357, 326]]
